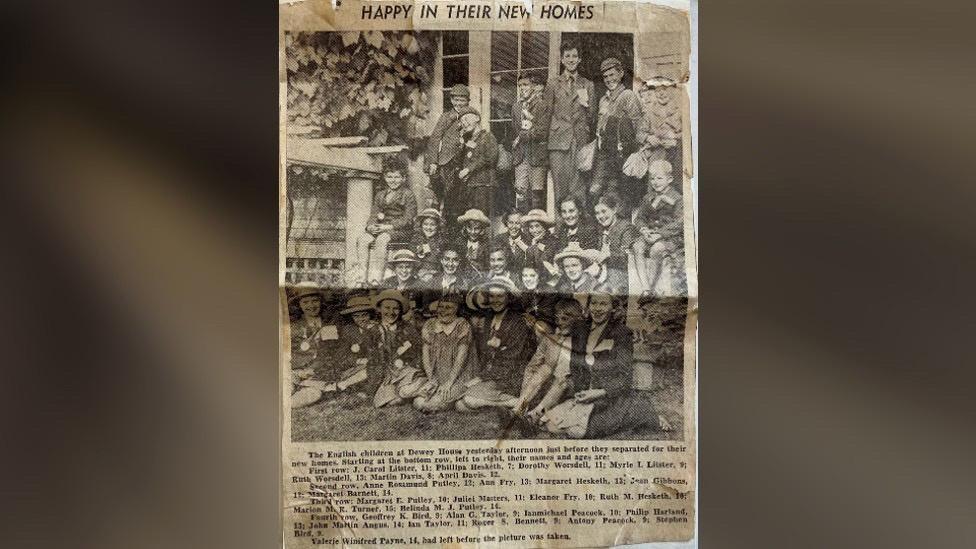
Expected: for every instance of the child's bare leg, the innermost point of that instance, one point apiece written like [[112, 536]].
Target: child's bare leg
[[362, 254], [655, 260], [377, 259], [640, 262]]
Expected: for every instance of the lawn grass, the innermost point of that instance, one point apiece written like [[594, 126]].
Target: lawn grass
[[351, 416]]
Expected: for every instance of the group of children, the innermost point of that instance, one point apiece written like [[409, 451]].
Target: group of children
[[565, 368], [449, 315], [581, 252]]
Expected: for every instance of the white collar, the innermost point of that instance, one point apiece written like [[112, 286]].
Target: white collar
[[441, 328]]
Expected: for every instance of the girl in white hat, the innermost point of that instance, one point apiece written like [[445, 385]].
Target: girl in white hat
[[394, 368]]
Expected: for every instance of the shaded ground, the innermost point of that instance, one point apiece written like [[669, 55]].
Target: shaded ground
[[352, 417]]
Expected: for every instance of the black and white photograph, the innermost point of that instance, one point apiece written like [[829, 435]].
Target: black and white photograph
[[484, 235]]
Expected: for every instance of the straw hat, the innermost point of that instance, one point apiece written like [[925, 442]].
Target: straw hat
[[537, 215], [357, 304], [395, 295], [304, 289], [574, 250], [402, 256], [474, 215], [475, 299]]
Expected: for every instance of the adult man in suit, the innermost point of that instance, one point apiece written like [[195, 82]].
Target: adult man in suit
[[444, 144], [568, 113]]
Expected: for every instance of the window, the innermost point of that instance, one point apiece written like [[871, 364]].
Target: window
[[316, 218], [512, 54], [454, 55]]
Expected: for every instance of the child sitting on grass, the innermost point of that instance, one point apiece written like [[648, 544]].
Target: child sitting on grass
[[448, 355]]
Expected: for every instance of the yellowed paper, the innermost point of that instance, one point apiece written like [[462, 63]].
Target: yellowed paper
[[488, 274]]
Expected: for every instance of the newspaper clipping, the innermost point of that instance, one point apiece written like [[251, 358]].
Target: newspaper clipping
[[488, 274]]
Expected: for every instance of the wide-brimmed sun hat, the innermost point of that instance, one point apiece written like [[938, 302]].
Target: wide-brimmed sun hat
[[476, 295], [474, 215], [304, 289], [537, 215], [574, 250], [395, 295], [357, 304], [402, 256]]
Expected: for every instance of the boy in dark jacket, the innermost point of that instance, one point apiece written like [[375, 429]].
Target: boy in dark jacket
[[478, 163], [530, 156]]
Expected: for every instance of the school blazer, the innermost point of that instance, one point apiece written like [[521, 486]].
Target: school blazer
[[563, 117], [517, 256], [532, 146], [480, 159], [587, 235], [661, 213], [620, 237], [506, 363], [444, 143]]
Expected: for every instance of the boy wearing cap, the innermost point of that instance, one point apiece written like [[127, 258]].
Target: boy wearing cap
[[659, 221], [444, 145], [478, 162], [530, 156], [390, 220], [616, 131], [566, 122]]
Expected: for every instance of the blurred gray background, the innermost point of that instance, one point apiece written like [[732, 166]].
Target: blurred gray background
[[836, 259]]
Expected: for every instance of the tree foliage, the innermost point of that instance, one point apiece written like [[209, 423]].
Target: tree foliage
[[368, 83]]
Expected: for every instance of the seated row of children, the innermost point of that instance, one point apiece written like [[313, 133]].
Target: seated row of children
[[652, 236], [569, 373]]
